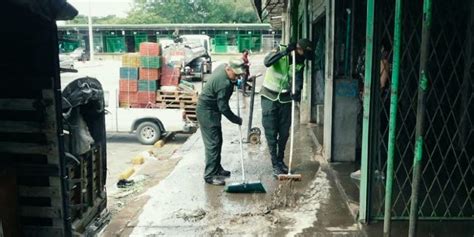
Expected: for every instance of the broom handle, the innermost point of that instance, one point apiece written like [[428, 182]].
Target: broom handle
[[240, 140], [292, 132]]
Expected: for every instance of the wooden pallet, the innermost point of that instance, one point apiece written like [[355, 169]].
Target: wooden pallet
[[190, 113], [37, 170], [177, 104], [38, 180], [191, 117], [170, 96]]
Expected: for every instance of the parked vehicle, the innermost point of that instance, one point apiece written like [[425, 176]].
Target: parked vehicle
[[149, 124], [192, 53], [79, 54], [66, 62]]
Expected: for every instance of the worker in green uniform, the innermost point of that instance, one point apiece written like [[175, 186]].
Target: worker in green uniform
[[214, 102], [277, 97]]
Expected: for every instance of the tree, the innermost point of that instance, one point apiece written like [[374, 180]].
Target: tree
[[110, 19], [192, 11], [181, 11]]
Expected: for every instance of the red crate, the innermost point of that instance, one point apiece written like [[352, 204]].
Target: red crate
[[149, 49], [170, 76], [128, 97], [146, 97], [149, 74], [128, 85]]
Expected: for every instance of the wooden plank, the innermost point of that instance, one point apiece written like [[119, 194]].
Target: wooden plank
[[20, 127], [57, 201], [25, 148], [17, 104], [50, 118], [27, 191], [42, 212], [42, 231], [8, 205], [38, 170], [55, 182], [90, 214]]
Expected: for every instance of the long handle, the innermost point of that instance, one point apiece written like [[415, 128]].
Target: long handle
[[252, 98], [252, 101], [292, 132], [240, 140]]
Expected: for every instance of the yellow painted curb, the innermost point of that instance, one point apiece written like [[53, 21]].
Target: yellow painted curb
[[126, 174], [160, 143], [163, 141], [138, 160]]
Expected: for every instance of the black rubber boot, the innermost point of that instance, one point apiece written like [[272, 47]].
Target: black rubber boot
[[283, 167], [277, 169]]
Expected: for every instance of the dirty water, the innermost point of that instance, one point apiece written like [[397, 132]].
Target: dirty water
[[183, 204]]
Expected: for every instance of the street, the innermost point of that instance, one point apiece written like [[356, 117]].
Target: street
[[169, 196]]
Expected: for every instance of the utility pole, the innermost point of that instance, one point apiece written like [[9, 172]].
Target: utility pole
[[91, 37]]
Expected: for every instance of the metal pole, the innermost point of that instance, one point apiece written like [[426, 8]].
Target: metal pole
[[364, 169], [393, 118], [348, 40], [420, 116], [91, 38], [252, 101]]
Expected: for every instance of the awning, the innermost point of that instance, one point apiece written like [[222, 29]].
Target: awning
[[270, 10]]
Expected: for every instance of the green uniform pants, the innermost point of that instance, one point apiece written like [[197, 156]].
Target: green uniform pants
[[276, 121], [211, 131]]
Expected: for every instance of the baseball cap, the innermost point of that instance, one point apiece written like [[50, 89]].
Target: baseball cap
[[304, 43], [237, 65]]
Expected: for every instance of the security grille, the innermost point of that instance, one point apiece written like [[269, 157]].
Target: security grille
[[448, 170]]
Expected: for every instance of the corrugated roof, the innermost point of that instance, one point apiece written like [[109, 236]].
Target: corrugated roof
[[258, 26], [271, 10]]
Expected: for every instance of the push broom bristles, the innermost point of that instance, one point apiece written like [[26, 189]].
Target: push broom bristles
[[246, 187], [294, 177]]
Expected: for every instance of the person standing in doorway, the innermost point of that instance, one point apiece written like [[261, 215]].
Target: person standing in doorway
[[277, 97], [213, 103]]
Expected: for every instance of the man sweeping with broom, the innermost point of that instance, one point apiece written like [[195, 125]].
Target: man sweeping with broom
[[213, 103], [277, 97]]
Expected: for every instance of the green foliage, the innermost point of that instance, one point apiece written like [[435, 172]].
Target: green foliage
[[111, 19], [182, 11]]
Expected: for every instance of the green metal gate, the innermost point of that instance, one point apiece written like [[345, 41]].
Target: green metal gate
[[139, 38], [115, 44], [244, 42], [446, 115], [220, 42]]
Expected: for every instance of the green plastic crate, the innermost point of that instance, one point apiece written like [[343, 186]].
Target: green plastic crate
[[146, 85], [150, 62]]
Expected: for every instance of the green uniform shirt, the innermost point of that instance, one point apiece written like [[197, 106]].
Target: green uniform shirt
[[216, 94]]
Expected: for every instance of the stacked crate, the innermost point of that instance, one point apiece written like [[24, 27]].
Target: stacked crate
[[128, 84], [150, 64], [140, 75]]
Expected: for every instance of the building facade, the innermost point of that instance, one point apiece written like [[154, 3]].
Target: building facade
[[226, 38], [391, 90]]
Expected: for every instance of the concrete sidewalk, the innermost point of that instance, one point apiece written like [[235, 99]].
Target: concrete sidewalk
[[183, 204]]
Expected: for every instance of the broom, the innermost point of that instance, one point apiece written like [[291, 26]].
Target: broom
[[290, 176], [244, 186]]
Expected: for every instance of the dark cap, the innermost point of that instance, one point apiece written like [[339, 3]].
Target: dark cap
[[304, 43]]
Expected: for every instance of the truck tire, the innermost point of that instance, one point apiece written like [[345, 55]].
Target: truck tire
[[148, 133]]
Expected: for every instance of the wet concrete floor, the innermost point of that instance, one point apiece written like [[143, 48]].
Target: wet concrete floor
[[183, 204]]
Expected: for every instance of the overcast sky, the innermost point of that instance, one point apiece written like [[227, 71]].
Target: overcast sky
[[102, 7]]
